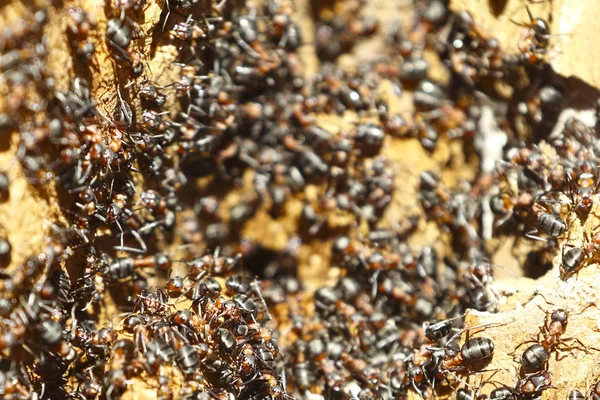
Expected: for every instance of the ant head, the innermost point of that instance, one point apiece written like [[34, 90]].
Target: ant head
[[540, 26], [559, 315]]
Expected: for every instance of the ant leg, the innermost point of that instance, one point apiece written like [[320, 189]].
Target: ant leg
[[316, 227], [593, 303], [374, 284], [456, 379], [28, 349], [503, 220], [244, 45], [129, 249], [570, 353], [122, 232], [167, 16], [43, 390], [522, 25], [82, 236], [432, 383], [126, 248], [73, 323], [532, 235], [467, 329], [139, 34], [121, 51], [148, 228], [414, 385], [139, 239], [256, 288], [541, 334], [521, 344], [578, 346], [84, 177]]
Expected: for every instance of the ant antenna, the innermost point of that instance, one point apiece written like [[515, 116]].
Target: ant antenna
[[529, 12]]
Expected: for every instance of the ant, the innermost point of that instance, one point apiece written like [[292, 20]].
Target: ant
[[550, 221], [465, 393], [595, 392], [503, 206], [472, 352], [534, 39], [573, 258], [528, 386], [582, 189], [119, 35], [550, 339], [555, 326], [534, 384], [576, 394], [430, 362]]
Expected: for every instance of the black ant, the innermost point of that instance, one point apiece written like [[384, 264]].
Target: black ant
[[573, 258], [550, 339], [534, 38], [550, 221], [582, 190]]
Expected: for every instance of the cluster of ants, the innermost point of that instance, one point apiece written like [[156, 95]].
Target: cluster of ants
[[542, 195], [145, 179], [441, 358]]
